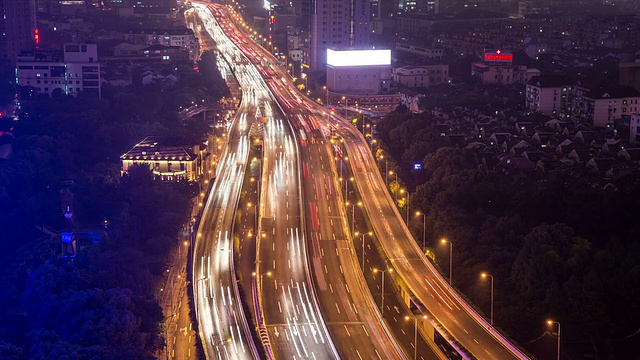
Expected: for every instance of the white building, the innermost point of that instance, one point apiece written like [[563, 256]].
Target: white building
[[421, 76], [634, 129], [358, 71], [72, 70], [170, 159], [550, 95], [609, 102]]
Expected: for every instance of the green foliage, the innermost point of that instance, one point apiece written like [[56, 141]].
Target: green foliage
[[103, 305], [554, 251]]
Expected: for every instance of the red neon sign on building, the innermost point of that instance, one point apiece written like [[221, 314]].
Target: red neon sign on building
[[498, 56]]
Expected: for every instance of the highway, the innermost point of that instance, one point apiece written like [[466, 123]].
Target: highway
[[223, 328], [291, 314], [355, 324], [351, 313], [288, 306], [440, 301], [408, 261]]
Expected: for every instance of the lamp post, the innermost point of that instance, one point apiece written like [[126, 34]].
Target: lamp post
[[255, 274], [394, 173], [326, 89], [444, 241], [550, 323], [375, 271], [259, 277], [353, 214], [255, 210], [370, 233], [346, 186], [186, 244], [402, 191], [484, 275], [415, 332], [345, 102], [424, 228]]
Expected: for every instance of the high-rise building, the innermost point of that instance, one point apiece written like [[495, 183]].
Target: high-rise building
[[17, 27], [337, 24]]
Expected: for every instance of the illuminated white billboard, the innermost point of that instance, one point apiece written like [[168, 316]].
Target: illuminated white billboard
[[358, 57]]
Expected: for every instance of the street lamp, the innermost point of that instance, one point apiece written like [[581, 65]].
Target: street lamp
[[484, 275], [375, 271], [444, 241], [256, 214], [424, 228], [346, 185], [386, 174], [326, 89], [394, 173], [353, 214], [185, 243], [550, 323], [370, 233], [345, 102], [255, 274], [407, 204], [415, 332]]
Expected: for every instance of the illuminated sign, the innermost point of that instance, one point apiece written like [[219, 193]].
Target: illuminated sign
[[498, 56], [417, 166], [266, 5], [358, 57]]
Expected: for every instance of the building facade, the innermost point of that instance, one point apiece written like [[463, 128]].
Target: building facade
[[170, 159], [421, 76], [363, 72], [17, 28], [337, 25], [634, 129], [550, 95], [423, 51], [609, 102], [182, 37], [70, 71]]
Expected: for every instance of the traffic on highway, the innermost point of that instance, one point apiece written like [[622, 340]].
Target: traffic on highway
[[312, 296]]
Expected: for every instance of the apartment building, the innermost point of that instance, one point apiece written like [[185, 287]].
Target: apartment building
[[609, 102], [69, 71], [550, 95]]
